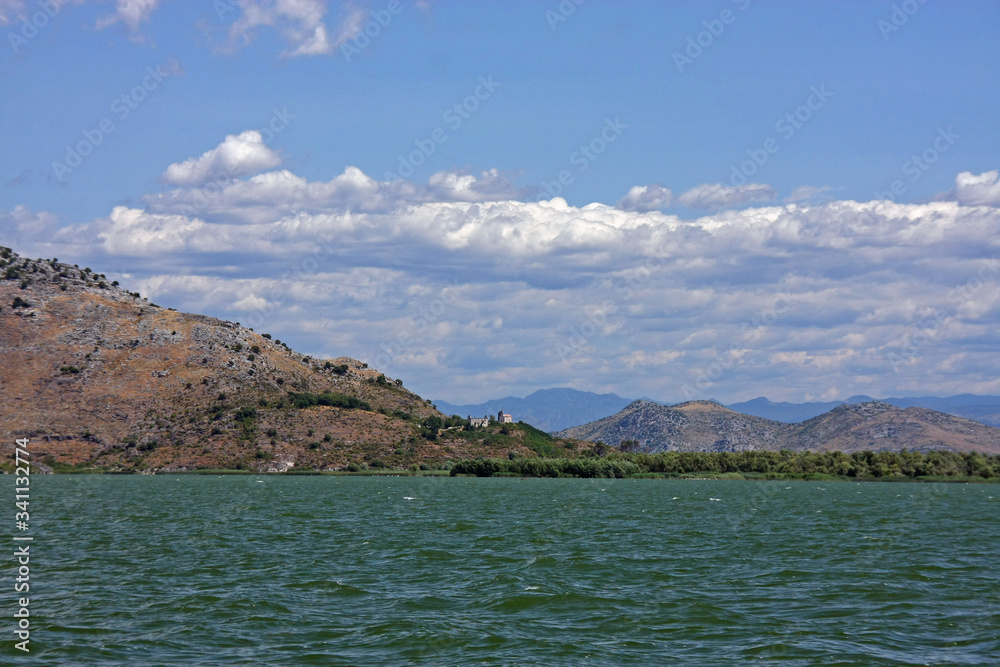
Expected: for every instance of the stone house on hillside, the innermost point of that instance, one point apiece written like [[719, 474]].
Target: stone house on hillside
[[480, 422]]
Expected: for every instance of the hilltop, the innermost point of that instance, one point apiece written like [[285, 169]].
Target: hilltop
[[705, 426], [99, 377]]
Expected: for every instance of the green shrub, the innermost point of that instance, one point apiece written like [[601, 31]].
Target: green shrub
[[304, 400]]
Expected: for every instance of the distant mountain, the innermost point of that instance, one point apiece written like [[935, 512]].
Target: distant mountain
[[558, 409], [697, 426], [790, 412], [983, 409], [547, 409], [705, 426]]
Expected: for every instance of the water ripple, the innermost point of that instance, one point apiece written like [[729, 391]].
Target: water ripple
[[400, 571]]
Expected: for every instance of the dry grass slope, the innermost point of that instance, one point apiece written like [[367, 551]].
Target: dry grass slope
[[99, 377]]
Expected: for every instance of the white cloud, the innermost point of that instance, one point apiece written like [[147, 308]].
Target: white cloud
[[454, 289], [646, 198], [129, 231], [273, 194], [11, 11], [129, 12], [717, 196], [238, 155], [300, 22], [981, 190]]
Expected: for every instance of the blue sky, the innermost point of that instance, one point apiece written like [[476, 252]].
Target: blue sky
[[796, 200]]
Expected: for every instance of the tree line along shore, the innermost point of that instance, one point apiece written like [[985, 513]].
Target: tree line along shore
[[935, 465]]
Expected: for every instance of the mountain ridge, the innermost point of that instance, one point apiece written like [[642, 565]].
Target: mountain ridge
[[706, 426], [552, 415]]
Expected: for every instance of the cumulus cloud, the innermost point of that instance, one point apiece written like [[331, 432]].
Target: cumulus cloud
[[715, 196], [981, 190], [646, 198], [464, 186], [454, 286], [273, 194], [26, 225], [129, 231], [239, 155]]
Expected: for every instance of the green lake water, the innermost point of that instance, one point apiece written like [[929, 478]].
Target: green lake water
[[246, 570]]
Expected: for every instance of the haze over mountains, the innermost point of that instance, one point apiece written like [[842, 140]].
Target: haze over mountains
[[547, 409], [557, 409]]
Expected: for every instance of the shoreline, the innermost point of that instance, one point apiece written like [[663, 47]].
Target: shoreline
[[693, 476]]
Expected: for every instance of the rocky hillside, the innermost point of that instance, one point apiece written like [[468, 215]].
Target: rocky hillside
[[701, 426], [97, 376], [704, 426], [878, 426]]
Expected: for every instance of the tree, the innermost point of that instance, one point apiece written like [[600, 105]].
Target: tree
[[629, 446]]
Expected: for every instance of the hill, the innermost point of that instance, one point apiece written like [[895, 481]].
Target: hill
[[983, 409], [548, 409], [701, 426], [704, 426], [879, 426], [98, 377]]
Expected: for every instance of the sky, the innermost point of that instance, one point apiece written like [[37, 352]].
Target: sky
[[681, 200]]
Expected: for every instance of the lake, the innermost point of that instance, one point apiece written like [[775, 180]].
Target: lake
[[290, 570]]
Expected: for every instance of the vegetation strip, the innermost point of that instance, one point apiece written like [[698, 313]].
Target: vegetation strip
[[932, 466]]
